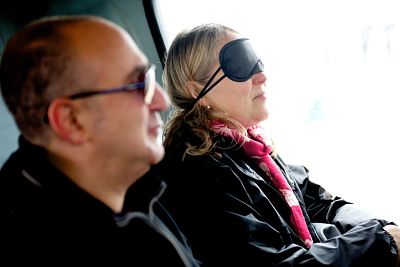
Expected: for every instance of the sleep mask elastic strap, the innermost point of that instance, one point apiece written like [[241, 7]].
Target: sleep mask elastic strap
[[205, 90]]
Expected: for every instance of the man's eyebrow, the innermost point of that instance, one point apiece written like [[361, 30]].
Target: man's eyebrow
[[135, 73]]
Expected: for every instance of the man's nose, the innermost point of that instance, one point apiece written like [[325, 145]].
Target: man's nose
[[160, 101]]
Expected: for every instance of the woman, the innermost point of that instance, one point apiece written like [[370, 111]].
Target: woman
[[235, 199]]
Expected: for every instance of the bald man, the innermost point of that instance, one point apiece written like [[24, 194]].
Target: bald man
[[86, 102]]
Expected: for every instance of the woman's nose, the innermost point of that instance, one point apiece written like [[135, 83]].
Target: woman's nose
[[259, 78]]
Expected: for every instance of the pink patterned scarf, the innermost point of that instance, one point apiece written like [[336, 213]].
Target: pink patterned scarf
[[257, 147]]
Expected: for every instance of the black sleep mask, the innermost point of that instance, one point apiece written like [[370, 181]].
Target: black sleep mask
[[239, 63]]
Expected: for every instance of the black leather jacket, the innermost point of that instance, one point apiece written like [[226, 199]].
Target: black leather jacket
[[234, 217], [45, 219]]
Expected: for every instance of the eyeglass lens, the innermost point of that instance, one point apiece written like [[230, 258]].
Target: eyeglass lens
[[150, 85]]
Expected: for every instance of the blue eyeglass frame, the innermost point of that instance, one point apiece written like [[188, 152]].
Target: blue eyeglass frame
[[149, 86]]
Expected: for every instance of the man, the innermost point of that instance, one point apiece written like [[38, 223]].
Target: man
[[87, 105]]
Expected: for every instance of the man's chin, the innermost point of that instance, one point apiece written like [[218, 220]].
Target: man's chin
[[157, 155]]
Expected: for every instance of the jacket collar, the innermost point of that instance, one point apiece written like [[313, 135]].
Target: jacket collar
[[28, 174]]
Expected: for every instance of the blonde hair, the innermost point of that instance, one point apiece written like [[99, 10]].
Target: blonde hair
[[191, 58]]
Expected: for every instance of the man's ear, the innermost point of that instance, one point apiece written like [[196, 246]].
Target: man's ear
[[63, 119], [194, 89]]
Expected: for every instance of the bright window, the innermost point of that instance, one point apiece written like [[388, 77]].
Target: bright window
[[333, 71]]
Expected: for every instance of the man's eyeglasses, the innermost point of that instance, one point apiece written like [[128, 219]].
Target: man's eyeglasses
[[148, 84]]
